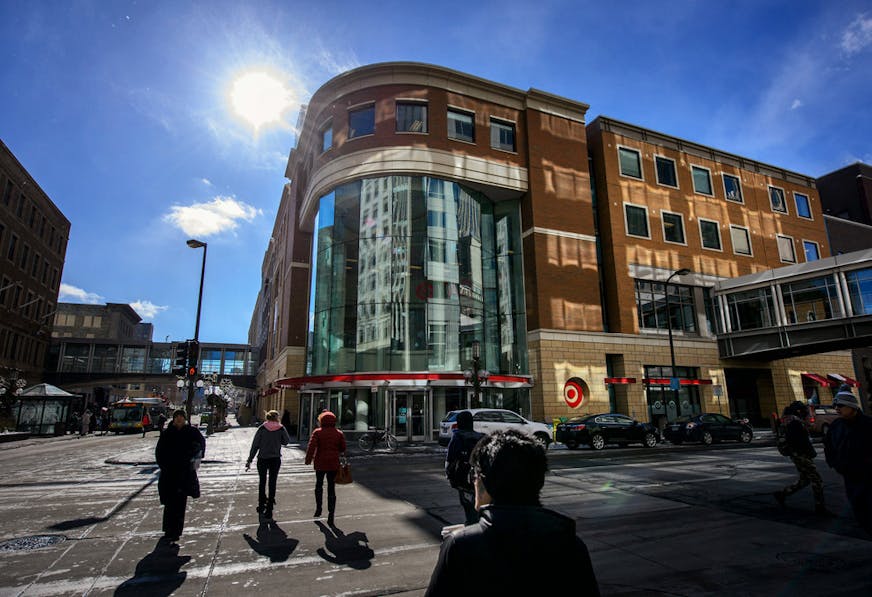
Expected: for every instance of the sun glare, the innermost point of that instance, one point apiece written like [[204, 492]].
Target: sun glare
[[260, 98]]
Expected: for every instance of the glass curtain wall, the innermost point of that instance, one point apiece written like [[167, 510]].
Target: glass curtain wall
[[408, 271]]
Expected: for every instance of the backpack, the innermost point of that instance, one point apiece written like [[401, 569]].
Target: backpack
[[458, 470], [781, 437]]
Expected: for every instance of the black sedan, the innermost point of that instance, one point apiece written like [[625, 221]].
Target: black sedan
[[708, 428], [607, 428]]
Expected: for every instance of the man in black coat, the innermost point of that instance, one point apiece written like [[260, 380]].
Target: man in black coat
[[802, 453], [457, 466], [516, 539], [178, 452], [848, 448]]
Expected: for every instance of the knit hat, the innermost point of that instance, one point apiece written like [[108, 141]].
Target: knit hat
[[847, 399]]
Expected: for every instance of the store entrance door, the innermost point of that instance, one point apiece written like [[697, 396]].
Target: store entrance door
[[410, 415]]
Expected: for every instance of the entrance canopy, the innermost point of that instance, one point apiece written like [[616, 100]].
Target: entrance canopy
[[413, 379]]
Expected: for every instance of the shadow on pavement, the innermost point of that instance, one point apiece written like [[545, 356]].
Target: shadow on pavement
[[76, 523], [350, 550], [272, 542], [158, 574]]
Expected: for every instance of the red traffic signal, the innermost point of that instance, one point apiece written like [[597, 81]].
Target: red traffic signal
[[192, 372]]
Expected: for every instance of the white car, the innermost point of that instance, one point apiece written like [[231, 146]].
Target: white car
[[488, 420]]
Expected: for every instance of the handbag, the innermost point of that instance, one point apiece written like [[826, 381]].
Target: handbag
[[343, 475]]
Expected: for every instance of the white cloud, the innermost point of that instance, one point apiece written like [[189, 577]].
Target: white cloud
[[146, 309], [335, 64], [206, 182], [221, 214], [858, 35], [72, 294], [796, 104]]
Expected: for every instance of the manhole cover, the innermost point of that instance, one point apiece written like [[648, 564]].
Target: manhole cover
[[812, 561], [32, 542]]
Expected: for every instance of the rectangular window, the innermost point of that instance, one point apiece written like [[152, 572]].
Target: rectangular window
[[741, 240], [21, 201], [461, 125], [811, 300], [502, 135], [812, 251], [411, 117], [13, 242], [751, 309], [860, 290], [732, 188], [7, 192], [25, 253], [34, 268], [776, 200], [786, 251], [361, 121], [803, 207], [651, 307], [710, 234], [665, 171], [326, 137], [702, 180], [636, 219], [673, 227], [630, 162]]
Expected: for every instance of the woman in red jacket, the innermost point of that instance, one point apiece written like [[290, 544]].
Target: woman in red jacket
[[326, 445]]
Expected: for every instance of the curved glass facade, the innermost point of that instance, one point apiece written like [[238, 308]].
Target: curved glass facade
[[408, 271]]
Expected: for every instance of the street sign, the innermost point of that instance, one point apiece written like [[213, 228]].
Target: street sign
[[674, 383]]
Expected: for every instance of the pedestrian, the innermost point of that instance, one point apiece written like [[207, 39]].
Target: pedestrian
[[326, 446], [161, 421], [104, 430], [457, 467], [286, 419], [797, 445], [146, 421], [178, 453], [99, 426], [516, 539], [848, 449], [267, 445], [85, 423]]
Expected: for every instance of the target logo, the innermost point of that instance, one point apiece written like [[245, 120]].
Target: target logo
[[573, 392]]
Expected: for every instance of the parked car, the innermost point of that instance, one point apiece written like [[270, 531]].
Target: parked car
[[708, 428], [820, 418], [488, 420], [606, 428]]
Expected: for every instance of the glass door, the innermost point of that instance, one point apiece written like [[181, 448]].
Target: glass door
[[410, 415]]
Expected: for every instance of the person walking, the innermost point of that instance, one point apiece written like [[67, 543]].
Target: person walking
[[516, 538], [797, 443], [85, 424], [161, 421], [326, 445], [457, 466], [848, 450], [267, 446], [178, 453], [146, 421]]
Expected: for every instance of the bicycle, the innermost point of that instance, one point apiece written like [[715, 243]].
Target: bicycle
[[369, 440]]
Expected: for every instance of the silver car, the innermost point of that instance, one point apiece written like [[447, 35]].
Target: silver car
[[488, 420]]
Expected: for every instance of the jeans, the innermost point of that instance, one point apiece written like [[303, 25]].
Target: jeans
[[331, 489], [467, 500], [267, 466]]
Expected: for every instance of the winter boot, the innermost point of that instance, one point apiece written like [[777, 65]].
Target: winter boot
[[319, 498], [268, 511], [331, 508]]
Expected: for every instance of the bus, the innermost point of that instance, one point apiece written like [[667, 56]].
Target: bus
[[125, 416]]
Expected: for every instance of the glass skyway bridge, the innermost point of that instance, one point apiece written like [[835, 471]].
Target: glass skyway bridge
[[802, 309]]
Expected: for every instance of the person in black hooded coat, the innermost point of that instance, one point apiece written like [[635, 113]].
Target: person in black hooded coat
[[179, 446]]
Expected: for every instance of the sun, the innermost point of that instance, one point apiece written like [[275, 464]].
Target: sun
[[260, 98]]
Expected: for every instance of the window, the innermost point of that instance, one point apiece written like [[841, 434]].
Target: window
[[361, 121], [636, 220], [326, 136], [710, 234], [411, 117], [860, 290], [461, 125], [751, 309], [673, 227], [803, 207], [741, 240], [702, 180], [812, 251], [651, 306], [665, 171], [630, 162], [776, 200], [818, 296], [7, 192], [502, 135], [786, 251], [13, 241], [732, 188]]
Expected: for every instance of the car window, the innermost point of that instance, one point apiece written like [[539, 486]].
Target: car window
[[722, 419], [487, 416], [708, 419], [623, 420], [509, 417], [450, 416], [605, 419]]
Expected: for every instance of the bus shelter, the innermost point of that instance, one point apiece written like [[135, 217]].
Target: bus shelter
[[42, 409]]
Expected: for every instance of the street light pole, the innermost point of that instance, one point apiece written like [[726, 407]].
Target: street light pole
[[196, 244], [683, 271], [476, 382]]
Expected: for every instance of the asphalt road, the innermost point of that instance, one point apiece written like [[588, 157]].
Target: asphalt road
[[81, 516]]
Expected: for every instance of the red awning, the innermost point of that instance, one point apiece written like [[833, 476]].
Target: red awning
[[818, 379], [844, 379], [422, 378], [619, 380], [664, 381]]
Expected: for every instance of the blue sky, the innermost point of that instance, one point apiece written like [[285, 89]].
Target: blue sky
[[122, 111]]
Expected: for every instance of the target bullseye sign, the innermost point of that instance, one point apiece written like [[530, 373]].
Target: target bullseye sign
[[573, 392]]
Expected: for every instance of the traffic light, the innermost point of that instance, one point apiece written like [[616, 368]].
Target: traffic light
[[193, 358], [180, 363]]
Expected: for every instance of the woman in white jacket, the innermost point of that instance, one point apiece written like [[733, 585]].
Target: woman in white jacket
[[267, 445]]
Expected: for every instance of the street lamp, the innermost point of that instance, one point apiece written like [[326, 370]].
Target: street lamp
[[196, 244], [682, 272], [477, 374]]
